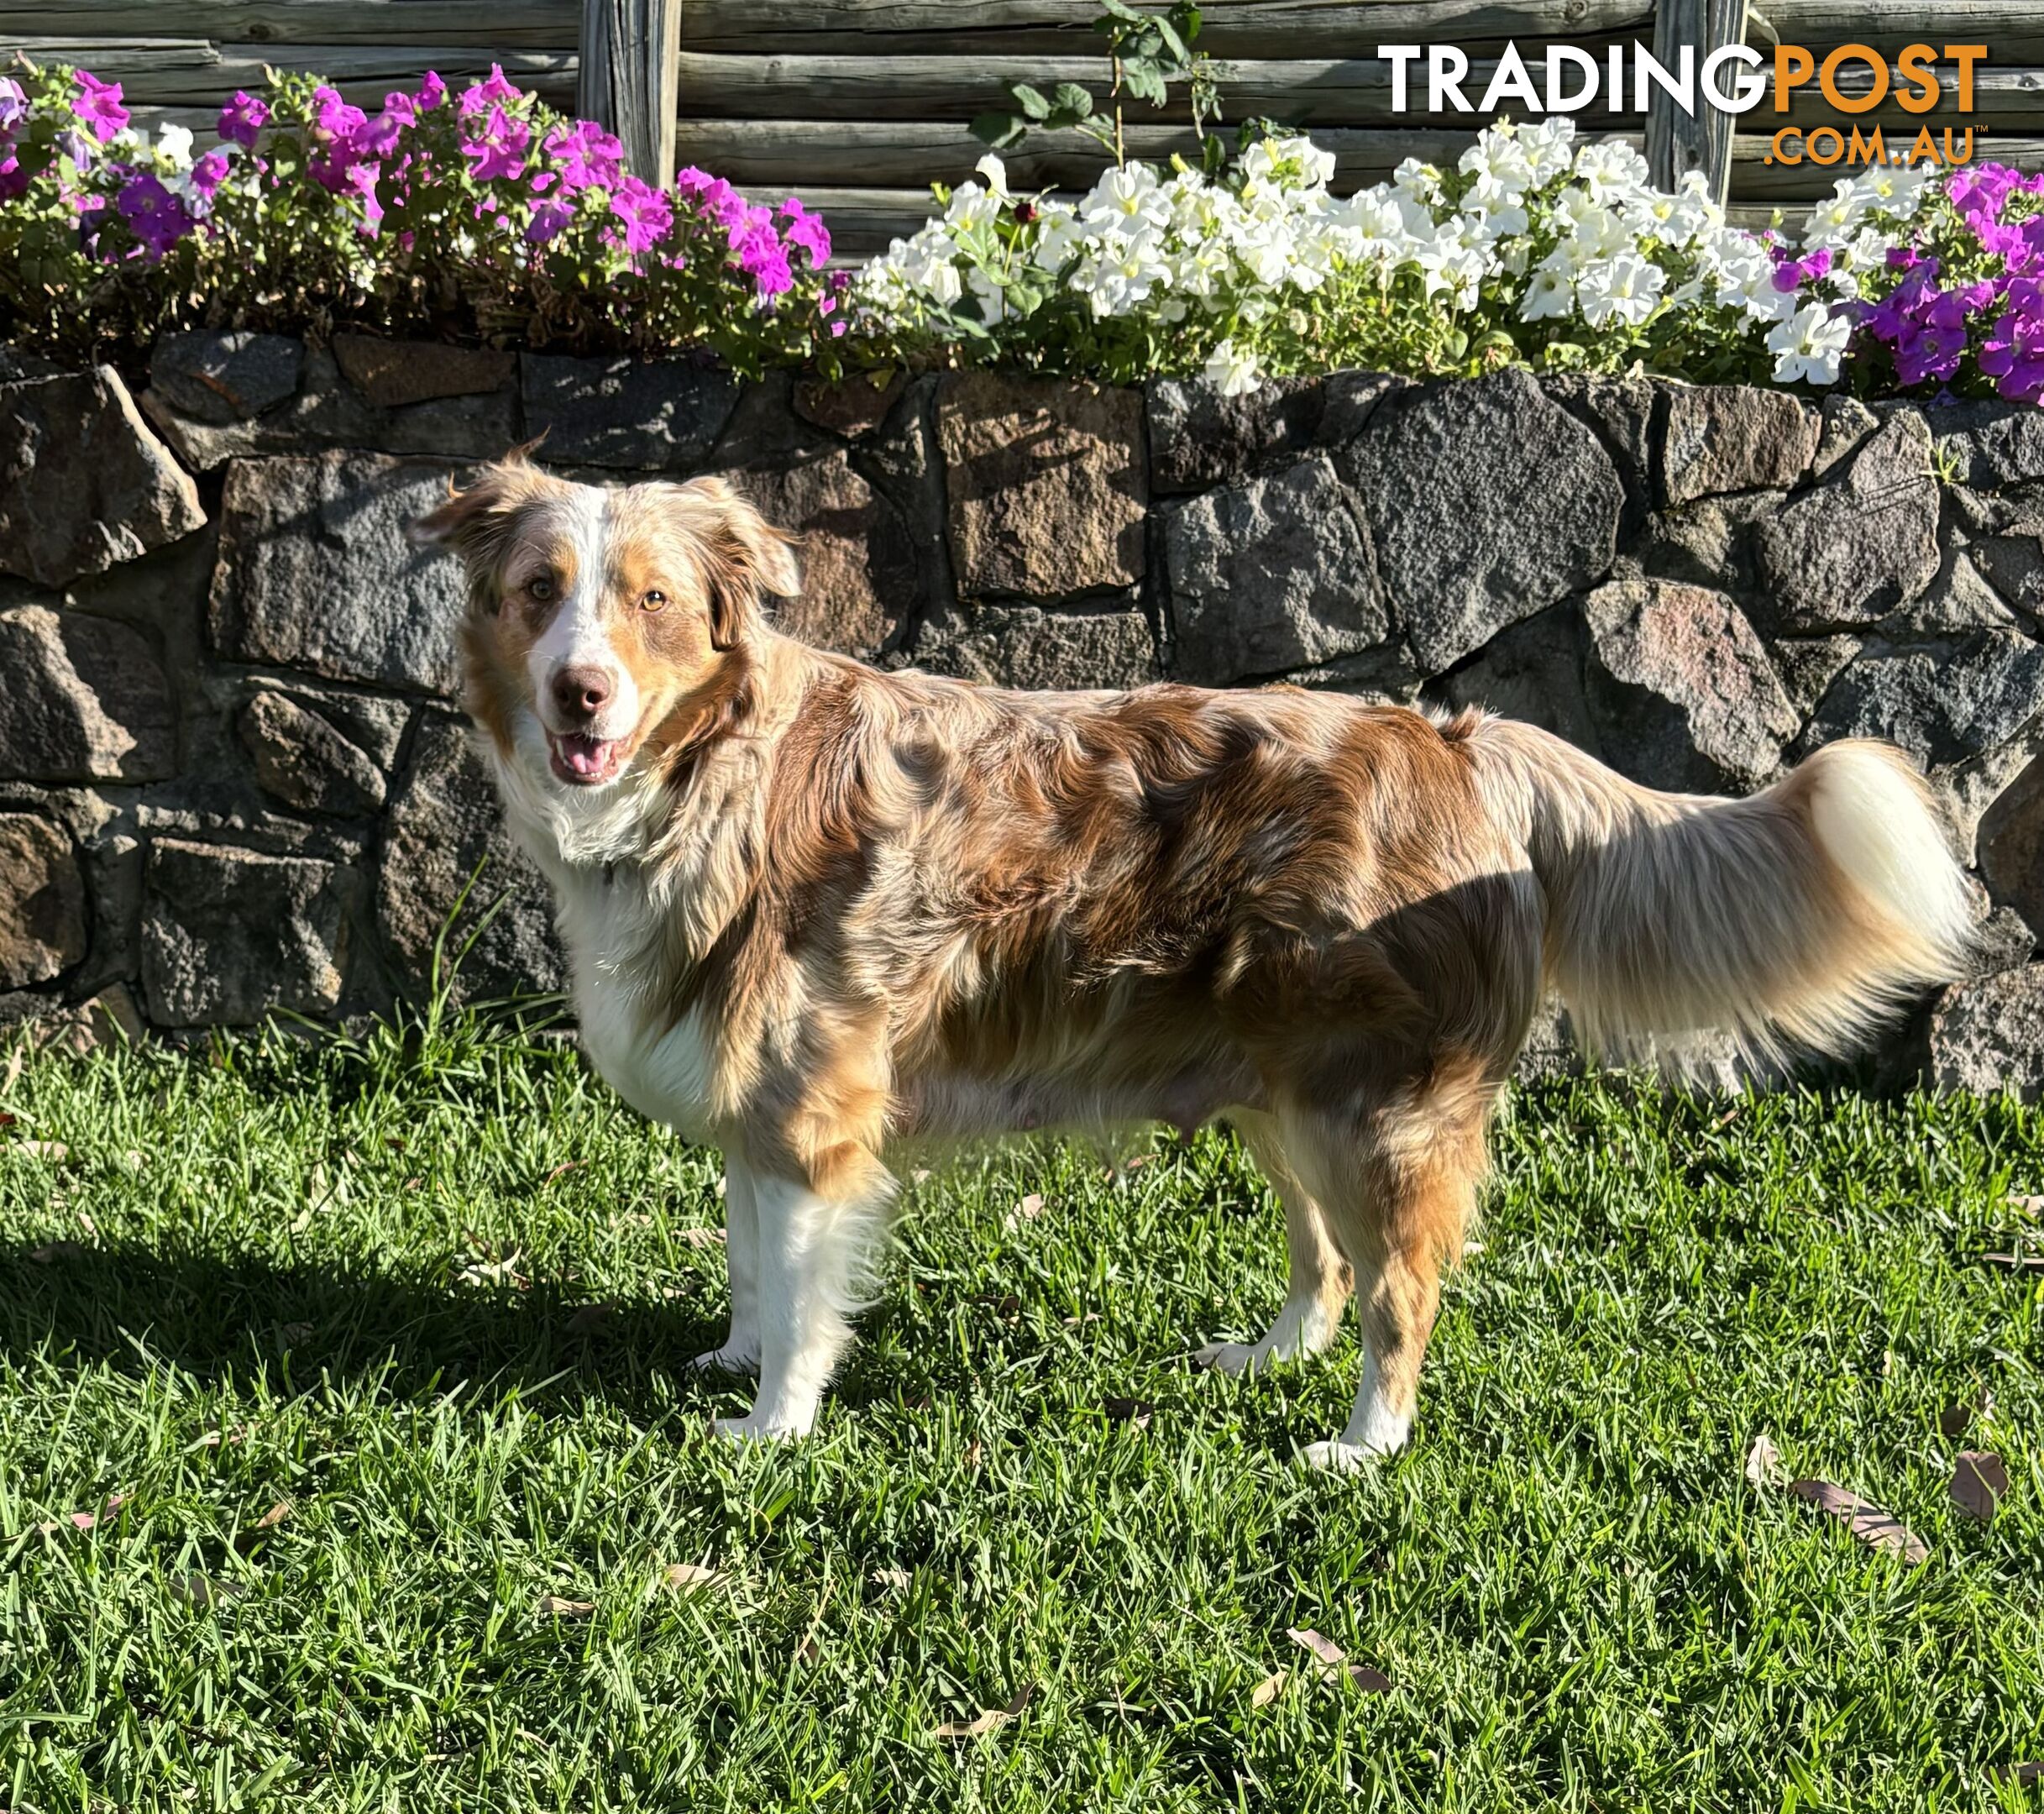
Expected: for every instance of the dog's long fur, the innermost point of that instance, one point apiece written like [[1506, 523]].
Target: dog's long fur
[[817, 910]]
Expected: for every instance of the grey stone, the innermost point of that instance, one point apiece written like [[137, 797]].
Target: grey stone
[[1532, 671], [397, 373], [1350, 399], [1046, 484], [2014, 564], [1200, 438], [1622, 412], [1847, 424], [304, 761], [42, 901], [2002, 941], [1943, 704], [316, 571], [1807, 666], [1959, 601], [372, 722], [2010, 844], [229, 936], [662, 417], [1269, 574], [1026, 646], [444, 827], [221, 378], [84, 701], [1485, 502], [1988, 1035], [1851, 550], [1733, 438], [850, 407], [1989, 443], [84, 483], [858, 568], [1682, 688], [18, 362]]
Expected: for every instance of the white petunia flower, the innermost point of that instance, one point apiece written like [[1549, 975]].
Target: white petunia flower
[[1233, 369], [1809, 346], [996, 174], [1626, 288], [1549, 295]]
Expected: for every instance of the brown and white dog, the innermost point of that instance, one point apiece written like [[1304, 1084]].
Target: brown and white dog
[[812, 909]]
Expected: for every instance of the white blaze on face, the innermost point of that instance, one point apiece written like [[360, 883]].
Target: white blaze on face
[[576, 637]]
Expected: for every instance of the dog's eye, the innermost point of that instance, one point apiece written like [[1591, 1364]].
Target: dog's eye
[[653, 600], [540, 590]]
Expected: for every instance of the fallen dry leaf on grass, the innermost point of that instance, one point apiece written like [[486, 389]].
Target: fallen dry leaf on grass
[[2015, 1262], [561, 1170], [504, 1272], [689, 1577], [701, 1237], [1027, 1210], [1333, 1662], [1869, 1522], [1270, 1688], [1136, 1411], [1980, 1483], [206, 1591], [2026, 1205], [2021, 1775], [273, 1517], [54, 1150], [989, 1719], [553, 1606], [85, 1520], [892, 1580], [1763, 1465], [1956, 1419]]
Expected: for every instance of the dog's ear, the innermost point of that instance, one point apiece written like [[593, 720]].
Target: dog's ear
[[745, 556], [476, 521]]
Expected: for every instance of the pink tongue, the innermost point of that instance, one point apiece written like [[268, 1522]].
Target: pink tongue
[[584, 754]]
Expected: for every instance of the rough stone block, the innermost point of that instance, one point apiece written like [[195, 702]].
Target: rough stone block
[[1046, 484], [1486, 500], [1271, 574], [443, 822], [316, 570], [83, 700], [657, 416], [42, 901], [304, 761], [84, 482], [396, 374], [1026, 646], [221, 378], [1683, 691], [1734, 437], [1944, 705], [228, 936], [1988, 1035], [1199, 438]]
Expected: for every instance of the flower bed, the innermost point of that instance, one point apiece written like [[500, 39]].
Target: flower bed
[[485, 216], [482, 214]]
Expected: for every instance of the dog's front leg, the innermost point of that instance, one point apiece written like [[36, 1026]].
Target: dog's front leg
[[740, 1353], [809, 1253]]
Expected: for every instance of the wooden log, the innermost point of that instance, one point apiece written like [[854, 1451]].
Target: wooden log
[[2013, 30], [900, 155], [1701, 139], [968, 29], [1757, 178], [1301, 91], [550, 24], [2003, 99], [185, 72], [628, 79]]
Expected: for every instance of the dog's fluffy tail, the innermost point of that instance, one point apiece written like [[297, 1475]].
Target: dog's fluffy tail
[[1792, 919]]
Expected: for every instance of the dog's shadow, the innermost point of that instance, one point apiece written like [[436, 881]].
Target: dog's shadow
[[217, 1317]]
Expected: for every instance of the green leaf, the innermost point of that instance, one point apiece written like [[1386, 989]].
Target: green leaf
[[1145, 82], [1121, 9], [1172, 41], [1070, 97], [1030, 100], [1000, 130]]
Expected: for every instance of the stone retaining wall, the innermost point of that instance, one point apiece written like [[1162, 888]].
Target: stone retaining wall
[[233, 779]]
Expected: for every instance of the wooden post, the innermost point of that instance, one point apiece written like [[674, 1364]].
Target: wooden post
[[1678, 143], [630, 79]]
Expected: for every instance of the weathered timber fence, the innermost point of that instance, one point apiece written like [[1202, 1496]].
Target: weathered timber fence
[[860, 104]]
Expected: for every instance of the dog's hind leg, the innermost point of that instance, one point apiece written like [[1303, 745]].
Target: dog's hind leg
[[740, 1353], [1319, 1285]]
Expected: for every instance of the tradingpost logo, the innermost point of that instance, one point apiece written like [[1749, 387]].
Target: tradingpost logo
[[1853, 80]]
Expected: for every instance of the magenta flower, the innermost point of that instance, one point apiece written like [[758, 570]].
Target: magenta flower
[[549, 216], [647, 213], [499, 148], [242, 118], [586, 157], [14, 104], [14, 179], [98, 105], [493, 92], [156, 216], [431, 92], [807, 232]]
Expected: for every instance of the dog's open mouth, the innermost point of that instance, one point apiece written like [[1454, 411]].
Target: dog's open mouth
[[585, 761]]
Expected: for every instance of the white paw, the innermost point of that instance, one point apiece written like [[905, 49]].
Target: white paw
[[752, 1429], [1336, 1456], [738, 1361], [1231, 1357]]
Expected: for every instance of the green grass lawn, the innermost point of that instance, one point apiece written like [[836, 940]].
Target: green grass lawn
[[438, 1306]]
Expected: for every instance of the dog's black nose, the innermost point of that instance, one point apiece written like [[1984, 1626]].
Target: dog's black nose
[[580, 693]]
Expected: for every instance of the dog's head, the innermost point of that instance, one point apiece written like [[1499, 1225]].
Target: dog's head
[[602, 622]]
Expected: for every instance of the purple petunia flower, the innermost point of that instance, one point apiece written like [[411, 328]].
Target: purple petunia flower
[[498, 149], [98, 105], [550, 215], [14, 104], [242, 118], [156, 216], [647, 213]]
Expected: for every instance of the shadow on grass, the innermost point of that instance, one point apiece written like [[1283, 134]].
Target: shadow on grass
[[215, 1316]]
